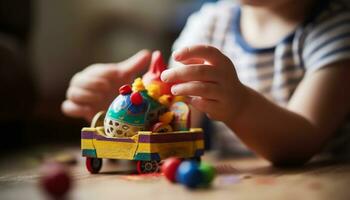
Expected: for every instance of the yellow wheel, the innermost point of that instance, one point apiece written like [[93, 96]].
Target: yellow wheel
[[98, 119]]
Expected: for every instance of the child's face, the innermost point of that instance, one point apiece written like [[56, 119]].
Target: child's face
[[264, 3]]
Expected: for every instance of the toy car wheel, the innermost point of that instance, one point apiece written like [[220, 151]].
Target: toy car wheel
[[161, 128], [93, 165], [147, 167], [98, 119]]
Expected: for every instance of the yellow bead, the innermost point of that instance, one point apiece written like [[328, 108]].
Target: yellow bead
[[153, 90], [137, 85], [179, 98], [165, 100], [167, 117]]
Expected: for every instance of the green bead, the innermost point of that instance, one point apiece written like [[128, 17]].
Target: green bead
[[208, 173]]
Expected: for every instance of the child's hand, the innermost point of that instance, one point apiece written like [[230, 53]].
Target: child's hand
[[94, 88], [209, 77]]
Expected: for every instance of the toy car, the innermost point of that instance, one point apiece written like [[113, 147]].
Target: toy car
[[144, 123], [147, 148]]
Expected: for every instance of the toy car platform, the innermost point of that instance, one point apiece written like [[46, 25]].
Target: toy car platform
[[146, 147]]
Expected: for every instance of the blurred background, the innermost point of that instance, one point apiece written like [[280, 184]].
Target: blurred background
[[43, 43]]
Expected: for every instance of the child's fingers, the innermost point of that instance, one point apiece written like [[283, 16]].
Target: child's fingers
[[190, 73], [208, 53], [91, 83], [193, 61], [208, 106], [107, 71], [136, 63], [205, 90], [76, 110], [83, 96], [115, 71]]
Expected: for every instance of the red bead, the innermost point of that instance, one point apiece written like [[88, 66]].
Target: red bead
[[55, 179], [169, 168], [136, 98], [125, 89]]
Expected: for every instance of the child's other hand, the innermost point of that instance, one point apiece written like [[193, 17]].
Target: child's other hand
[[94, 88], [209, 77]]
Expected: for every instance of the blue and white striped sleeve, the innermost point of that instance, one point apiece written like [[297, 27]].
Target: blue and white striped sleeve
[[198, 30], [328, 42]]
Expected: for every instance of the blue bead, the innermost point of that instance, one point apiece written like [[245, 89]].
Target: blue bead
[[188, 174]]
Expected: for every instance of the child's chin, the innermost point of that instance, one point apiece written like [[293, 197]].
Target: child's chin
[[256, 2]]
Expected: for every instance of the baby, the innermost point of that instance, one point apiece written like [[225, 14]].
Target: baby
[[276, 73]]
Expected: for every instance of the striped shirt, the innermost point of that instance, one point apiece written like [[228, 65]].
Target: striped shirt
[[322, 39]]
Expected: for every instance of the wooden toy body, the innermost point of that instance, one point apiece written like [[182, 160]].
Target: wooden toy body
[[145, 145]]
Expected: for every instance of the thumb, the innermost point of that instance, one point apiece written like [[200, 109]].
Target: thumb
[[136, 63]]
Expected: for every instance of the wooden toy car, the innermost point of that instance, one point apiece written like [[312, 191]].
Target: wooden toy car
[[146, 147], [144, 123]]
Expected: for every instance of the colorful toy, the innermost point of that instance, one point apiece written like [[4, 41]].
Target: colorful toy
[[208, 173], [55, 180], [144, 123], [190, 173], [170, 167]]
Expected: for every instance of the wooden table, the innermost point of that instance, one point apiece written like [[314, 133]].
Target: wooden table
[[245, 178]]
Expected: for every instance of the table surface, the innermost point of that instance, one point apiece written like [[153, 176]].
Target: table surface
[[240, 178]]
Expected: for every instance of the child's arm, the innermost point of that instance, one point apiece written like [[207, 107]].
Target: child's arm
[[93, 89], [281, 135]]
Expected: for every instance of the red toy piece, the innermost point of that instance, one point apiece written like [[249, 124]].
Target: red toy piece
[[136, 98], [55, 179], [153, 74], [169, 168], [125, 89]]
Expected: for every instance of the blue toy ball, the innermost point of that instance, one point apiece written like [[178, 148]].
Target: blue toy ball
[[188, 174]]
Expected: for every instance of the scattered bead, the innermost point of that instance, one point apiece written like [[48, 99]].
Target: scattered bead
[[170, 167], [208, 173], [55, 179], [188, 174]]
